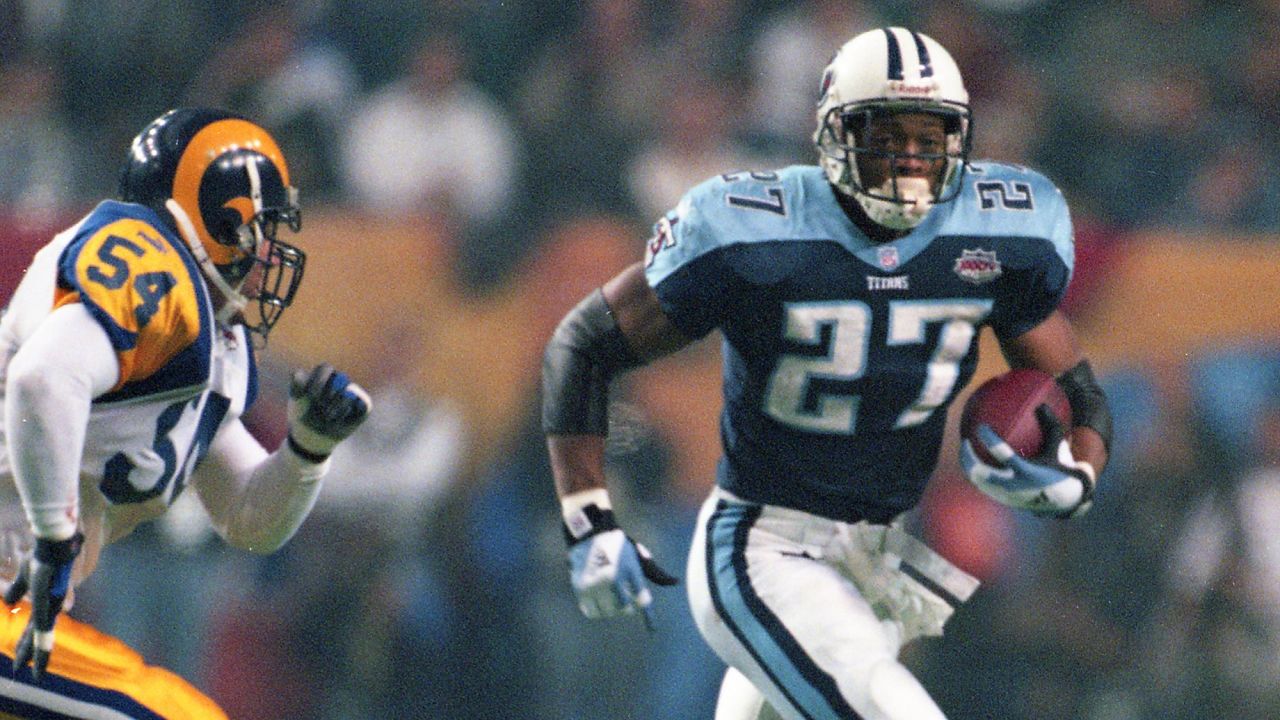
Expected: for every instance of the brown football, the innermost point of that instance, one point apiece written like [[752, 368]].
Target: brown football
[[1008, 404]]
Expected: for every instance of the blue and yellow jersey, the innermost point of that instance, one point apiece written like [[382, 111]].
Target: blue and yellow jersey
[[92, 674], [181, 375], [841, 355], [146, 291]]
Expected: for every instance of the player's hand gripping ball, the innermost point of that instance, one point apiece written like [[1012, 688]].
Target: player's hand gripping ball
[[1007, 404]]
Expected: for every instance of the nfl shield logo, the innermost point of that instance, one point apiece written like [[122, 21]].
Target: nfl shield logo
[[888, 258], [978, 266]]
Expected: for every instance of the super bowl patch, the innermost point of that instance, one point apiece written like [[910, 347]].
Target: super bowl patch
[[978, 266]]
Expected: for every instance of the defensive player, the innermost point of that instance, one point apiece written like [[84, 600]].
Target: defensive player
[[850, 296], [127, 357]]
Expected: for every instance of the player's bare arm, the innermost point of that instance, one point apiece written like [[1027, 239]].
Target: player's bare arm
[[616, 328], [577, 460]]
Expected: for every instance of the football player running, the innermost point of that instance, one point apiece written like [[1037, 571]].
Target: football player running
[[127, 357], [850, 296]]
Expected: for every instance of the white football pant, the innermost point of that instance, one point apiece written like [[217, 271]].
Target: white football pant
[[810, 613]]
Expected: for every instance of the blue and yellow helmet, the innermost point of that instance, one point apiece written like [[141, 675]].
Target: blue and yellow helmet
[[223, 184]]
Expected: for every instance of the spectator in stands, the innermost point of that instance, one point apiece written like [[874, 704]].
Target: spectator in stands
[[790, 48], [586, 101], [280, 68], [695, 140], [1213, 648], [1236, 189], [433, 143], [36, 148], [1147, 124]]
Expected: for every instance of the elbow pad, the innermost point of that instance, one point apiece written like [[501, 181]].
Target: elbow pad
[[583, 355], [1088, 402]]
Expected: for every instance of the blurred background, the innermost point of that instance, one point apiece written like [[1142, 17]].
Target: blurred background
[[471, 168]]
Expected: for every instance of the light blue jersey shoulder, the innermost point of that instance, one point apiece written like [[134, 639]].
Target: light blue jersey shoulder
[[1000, 200], [795, 203]]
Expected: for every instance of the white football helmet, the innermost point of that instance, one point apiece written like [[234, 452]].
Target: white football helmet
[[891, 70]]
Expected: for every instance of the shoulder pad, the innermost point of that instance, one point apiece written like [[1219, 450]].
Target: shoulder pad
[[740, 207], [1006, 200], [139, 285]]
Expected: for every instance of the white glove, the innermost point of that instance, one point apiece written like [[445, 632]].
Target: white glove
[[1053, 483], [325, 407], [609, 571]]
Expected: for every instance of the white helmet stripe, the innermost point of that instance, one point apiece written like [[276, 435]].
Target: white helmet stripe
[[255, 194], [255, 184]]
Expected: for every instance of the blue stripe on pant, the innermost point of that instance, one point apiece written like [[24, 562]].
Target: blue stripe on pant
[[808, 688]]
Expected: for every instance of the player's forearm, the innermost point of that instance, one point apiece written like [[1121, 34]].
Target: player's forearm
[[273, 503], [577, 462], [580, 359], [256, 501]]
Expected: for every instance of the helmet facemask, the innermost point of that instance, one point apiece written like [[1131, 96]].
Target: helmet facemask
[[269, 270], [897, 201], [875, 80]]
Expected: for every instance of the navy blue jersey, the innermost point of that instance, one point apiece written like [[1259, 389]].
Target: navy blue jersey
[[842, 355]]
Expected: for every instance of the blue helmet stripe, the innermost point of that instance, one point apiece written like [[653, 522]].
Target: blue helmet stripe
[[926, 69], [895, 55]]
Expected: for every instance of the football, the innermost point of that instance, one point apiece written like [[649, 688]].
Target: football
[[1007, 403]]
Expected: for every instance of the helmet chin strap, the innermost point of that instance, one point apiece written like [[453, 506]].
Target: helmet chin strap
[[234, 301]]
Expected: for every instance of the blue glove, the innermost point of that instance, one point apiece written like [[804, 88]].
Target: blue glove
[[609, 570], [47, 575], [325, 407], [1053, 483]]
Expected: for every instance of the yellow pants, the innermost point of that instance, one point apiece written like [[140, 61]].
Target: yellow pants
[[91, 674]]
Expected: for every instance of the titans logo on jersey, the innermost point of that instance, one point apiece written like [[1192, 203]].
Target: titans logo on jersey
[[841, 355]]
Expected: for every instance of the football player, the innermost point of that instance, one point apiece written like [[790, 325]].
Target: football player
[[127, 357], [850, 296]]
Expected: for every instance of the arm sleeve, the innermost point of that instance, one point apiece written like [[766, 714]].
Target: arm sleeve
[[48, 392], [255, 500]]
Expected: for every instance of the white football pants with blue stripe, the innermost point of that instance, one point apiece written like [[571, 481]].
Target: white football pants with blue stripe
[[810, 613]]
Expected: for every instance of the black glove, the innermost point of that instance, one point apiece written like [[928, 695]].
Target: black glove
[[47, 575], [325, 406]]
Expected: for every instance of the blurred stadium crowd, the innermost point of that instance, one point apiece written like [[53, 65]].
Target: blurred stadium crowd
[[499, 158]]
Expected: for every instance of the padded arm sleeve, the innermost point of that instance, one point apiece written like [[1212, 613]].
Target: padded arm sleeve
[[583, 355], [51, 382], [256, 500]]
